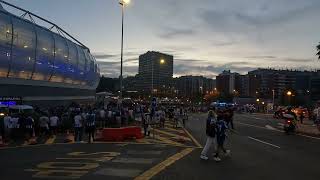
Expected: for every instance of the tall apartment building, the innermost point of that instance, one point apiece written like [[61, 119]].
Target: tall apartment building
[[155, 70], [193, 86]]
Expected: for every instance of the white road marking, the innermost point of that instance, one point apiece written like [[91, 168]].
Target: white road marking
[[270, 127], [263, 142], [312, 137]]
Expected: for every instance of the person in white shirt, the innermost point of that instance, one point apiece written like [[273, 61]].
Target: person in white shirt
[[109, 119], [7, 125], [102, 117], [162, 118], [44, 125], [78, 127], [53, 124]]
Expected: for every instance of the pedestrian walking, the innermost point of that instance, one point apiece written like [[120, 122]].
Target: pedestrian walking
[[90, 125], [44, 125], [211, 133], [301, 117], [102, 116], [162, 118], [78, 127], [221, 128], [7, 125], [53, 124], [29, 127]]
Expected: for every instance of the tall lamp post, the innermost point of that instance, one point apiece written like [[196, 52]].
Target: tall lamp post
[[122, 3]]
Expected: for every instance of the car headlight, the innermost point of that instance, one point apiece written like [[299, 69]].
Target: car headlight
[[2, 114]]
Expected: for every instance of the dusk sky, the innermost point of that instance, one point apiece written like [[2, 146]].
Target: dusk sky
[[205, 36]]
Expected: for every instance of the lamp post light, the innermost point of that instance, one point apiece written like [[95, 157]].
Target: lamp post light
[[289, 94], [122, 3], [161, 61]]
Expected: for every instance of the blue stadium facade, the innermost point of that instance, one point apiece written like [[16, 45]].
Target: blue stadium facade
[[37, 64]]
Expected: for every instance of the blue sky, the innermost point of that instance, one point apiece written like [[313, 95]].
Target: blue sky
[[205, 36]]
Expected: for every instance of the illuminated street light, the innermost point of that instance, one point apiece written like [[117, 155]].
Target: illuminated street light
[[258, 100], [289, 93], [262, 103], [124, 2]]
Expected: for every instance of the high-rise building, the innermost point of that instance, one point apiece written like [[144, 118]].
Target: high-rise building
[[269, 83], [193, 86], [155, 70], [226, 82]]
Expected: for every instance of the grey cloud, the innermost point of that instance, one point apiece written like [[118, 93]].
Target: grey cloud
[[295, 60], [103, 56], [261, 57], [173, 33]]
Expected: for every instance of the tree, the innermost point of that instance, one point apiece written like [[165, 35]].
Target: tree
[[318, 48]]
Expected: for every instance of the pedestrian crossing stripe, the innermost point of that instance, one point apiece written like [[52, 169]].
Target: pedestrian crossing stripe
[[175, 136], [168, 141], [50, 140], [175, 130]]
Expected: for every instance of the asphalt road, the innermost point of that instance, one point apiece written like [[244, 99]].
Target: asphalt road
[[258, 151]]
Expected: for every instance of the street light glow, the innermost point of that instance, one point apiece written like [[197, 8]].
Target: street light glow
[[289, 93], [162, 61], [258, 100], [124, 2]]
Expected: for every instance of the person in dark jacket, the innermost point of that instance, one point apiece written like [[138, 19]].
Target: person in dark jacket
[[210, 132]]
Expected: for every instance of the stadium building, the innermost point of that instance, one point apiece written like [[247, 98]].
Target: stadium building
[[41, 65]]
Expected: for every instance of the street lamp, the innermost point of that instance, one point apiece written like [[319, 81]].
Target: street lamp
[[161, 61], [289, 94], [122, 3], [258, 100]]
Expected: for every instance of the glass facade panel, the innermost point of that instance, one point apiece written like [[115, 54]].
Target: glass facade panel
[[5, 43], [44, 55], [61, 59], [73, 61], [23, 49], [81, 66]]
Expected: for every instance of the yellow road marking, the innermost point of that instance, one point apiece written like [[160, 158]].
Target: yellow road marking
[[193, 139], [164, 164], [168, 141], [64, 165], [99, 159], [59, 174], [172, 129], [175, 136], [50, 140]]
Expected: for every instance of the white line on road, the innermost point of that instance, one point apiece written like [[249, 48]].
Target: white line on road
[[274, 129], [270, 127], [263, 142], [312, 137]]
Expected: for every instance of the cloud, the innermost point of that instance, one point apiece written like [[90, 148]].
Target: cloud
[[169, 33], [102, 55], [261, 57]]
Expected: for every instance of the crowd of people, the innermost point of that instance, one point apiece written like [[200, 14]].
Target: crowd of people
[[78, 119]]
